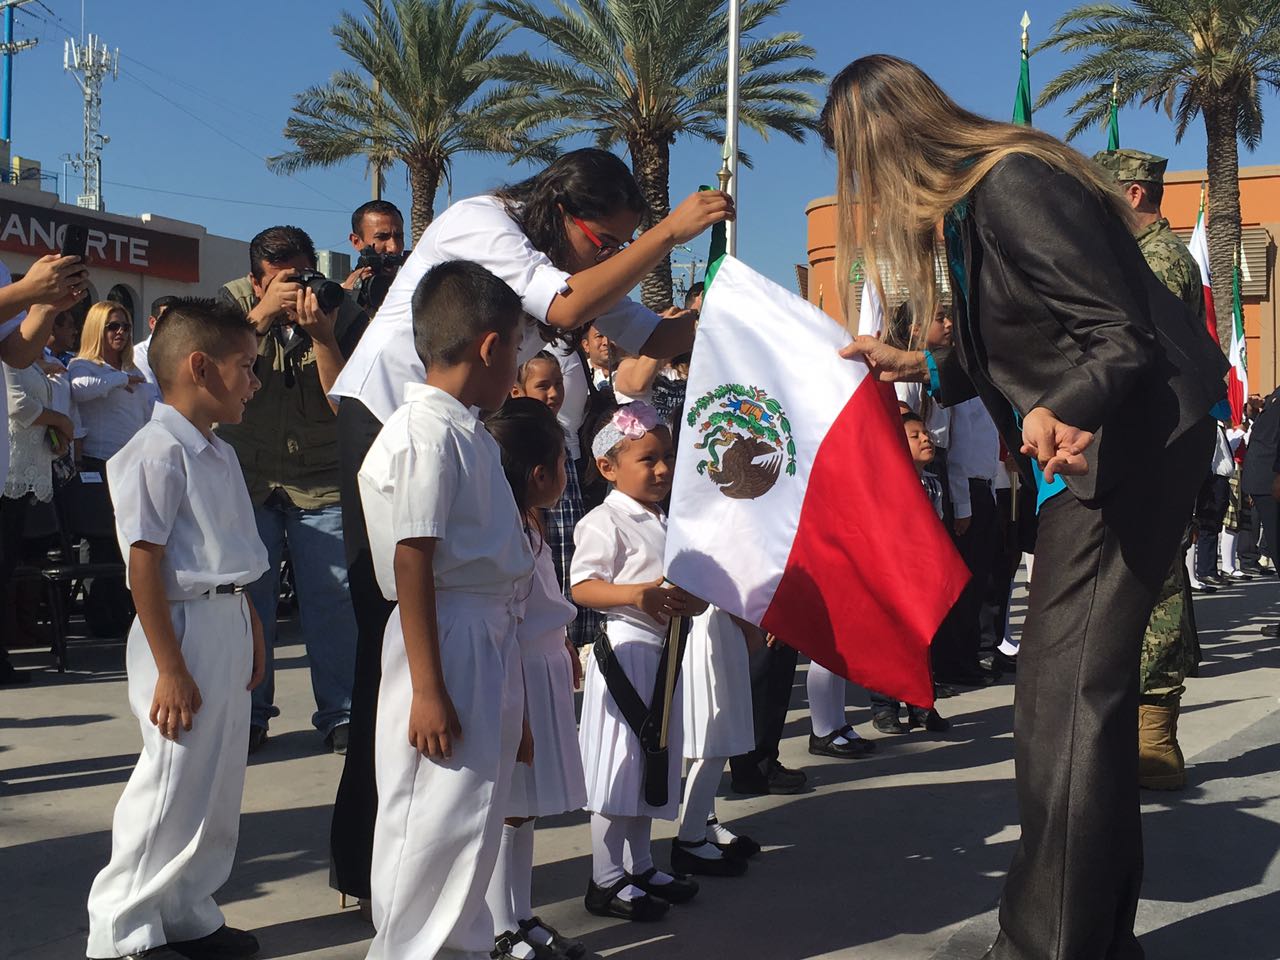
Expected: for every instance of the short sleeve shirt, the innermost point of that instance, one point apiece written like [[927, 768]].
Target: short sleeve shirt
[[621, 541], [6, 328], [434, 471], [481, 230], [173, 486]]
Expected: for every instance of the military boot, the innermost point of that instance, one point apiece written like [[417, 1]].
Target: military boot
[[1160, 763]]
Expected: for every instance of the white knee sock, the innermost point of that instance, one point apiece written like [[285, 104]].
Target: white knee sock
[[826, 700], [608, 840], [498, 896], [640, 849], [522, 871], [700, 803], [1190, 559], [1227, 548]]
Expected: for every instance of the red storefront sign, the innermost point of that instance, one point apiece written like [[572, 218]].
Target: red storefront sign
[[34, 230]]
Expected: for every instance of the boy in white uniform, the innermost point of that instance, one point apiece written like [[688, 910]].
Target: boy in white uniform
[[190, 545], [448, 544]]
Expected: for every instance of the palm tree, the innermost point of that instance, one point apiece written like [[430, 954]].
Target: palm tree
[[412, 98], [1211, 58], [644, 72]]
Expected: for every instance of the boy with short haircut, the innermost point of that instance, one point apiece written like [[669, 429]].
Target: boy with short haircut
[[190, 544], [448, 544]]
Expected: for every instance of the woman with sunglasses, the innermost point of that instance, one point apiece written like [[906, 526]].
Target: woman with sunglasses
[[113, 401], [561, 239]]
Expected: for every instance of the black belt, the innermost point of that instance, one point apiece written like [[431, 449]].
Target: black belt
[[224, 590]]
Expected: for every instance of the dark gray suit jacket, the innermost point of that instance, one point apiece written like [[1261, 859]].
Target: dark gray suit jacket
[[1062, 311]]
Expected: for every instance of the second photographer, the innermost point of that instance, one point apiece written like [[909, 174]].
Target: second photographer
[[377, 234]]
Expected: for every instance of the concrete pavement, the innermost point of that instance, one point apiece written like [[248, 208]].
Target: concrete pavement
[[898, 856]]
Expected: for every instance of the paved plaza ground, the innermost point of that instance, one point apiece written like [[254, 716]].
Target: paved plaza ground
[[898, 856]]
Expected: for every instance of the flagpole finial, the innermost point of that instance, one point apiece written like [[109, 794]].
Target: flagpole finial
[[1115, 89], [725, 175], [1026, 22]]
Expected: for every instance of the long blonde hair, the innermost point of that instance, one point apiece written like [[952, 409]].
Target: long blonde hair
[[93, 337], [906, 154]]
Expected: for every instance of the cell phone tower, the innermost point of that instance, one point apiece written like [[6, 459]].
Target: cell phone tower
[[89, 63]]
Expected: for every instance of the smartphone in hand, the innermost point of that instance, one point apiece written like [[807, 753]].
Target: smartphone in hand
[[75, 241]]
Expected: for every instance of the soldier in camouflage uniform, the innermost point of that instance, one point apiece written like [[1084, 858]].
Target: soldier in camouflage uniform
[[1171, 647]]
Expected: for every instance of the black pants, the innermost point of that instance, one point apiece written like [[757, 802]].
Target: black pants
[[773, 676], [1072, 890], [955, 649], [1211, 510], [356, 806]]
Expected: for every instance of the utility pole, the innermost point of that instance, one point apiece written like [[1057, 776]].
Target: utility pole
[[89, 63], [10, 47]]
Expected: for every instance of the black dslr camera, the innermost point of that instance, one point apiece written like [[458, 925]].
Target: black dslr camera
[[371, 291], [328, 294]]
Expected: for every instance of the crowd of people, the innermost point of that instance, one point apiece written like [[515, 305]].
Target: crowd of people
[[454, 468]]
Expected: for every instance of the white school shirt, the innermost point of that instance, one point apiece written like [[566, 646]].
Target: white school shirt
[[6, 328], [478, 229], [621, 541], [974, 452], [174, 486], [573, 410], [143, 362], [434, 471], [111, 414]]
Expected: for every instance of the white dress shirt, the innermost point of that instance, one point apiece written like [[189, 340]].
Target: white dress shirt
[[573, 410], [621, 541], [143, 363], [478, 229], [6, 328], [434, 471], [974, 452], [111, 413], [172, 485]]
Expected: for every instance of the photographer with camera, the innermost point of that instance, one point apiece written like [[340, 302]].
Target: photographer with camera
[[288, 447], [377, 233]]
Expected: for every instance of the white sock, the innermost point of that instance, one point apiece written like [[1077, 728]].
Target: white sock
[[498, 896], [640, 849], [608, 843], [719, 833], [1190, 560], [700, 802], [1227, 548], [522, 871], [826, 700], [846, 736]]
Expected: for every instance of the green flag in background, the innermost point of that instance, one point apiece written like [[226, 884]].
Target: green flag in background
[[1113, 128], [1022, 103]]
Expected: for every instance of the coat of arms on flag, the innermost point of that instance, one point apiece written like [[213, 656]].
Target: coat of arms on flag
[[795, 503]]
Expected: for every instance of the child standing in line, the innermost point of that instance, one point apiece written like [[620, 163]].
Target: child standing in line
[[617, 568], [186, 531], [542, 378], [718, 724], [533, 457], [884, 712], [447, 544]]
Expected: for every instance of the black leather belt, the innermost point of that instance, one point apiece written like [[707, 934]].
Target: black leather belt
[[225, 589]]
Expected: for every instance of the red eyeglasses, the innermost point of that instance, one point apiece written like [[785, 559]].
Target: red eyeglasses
[[603, 250]]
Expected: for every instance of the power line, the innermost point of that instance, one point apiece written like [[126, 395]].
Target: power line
[[202, 196], [234, 108]]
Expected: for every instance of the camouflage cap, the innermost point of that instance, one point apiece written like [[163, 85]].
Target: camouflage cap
[[1131, 165]]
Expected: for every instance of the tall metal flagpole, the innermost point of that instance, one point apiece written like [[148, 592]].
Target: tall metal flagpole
[[730, 166]]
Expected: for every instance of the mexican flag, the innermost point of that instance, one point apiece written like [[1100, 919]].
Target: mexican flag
[[1199, 247], [1238, 378], [795, 504]]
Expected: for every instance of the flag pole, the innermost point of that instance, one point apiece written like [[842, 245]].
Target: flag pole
[[729, 167]]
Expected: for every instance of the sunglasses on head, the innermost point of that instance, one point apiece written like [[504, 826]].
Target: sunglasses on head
[[115, 326], [603, 250]]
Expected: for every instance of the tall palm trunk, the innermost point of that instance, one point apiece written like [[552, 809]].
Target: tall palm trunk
[[424, 180], [1224, 204], [651, 163]]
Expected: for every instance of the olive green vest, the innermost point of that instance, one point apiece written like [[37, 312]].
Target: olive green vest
[[288, 439]]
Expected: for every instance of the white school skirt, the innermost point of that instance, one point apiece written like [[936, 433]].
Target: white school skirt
[[612, 760], [554, 784], [717, 689]]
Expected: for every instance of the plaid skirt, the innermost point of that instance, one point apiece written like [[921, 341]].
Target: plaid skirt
[[560, 523], [1237, 519]]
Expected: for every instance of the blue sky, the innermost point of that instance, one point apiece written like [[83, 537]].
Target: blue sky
[[205, 89]]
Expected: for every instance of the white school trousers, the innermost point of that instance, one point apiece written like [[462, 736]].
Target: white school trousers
[[435, 842], [173, 838]]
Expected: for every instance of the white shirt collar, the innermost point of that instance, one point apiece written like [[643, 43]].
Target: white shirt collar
[[631, 507], [183, 430]]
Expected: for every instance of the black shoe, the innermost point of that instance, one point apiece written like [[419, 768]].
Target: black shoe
[[931, 720], [338, 738], [680, 890], [888, 723], [1252, 570], [257, 738], [783, 780], [744, 848], [11, 676], [604, 902], [852, 750], [1271, 631], [155, 953], [573, 949], [973, 676], [1218, 579], [504, 948], [1203, 588], [684, 862], [943, 692], [225, 943], [1004, 663]]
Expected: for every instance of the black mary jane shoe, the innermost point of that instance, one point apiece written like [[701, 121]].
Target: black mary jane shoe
[[744, 848], [225, 943], [605, 902], [854, 749], [680, 889], [564, 947], [686, 862], [504, 947]]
